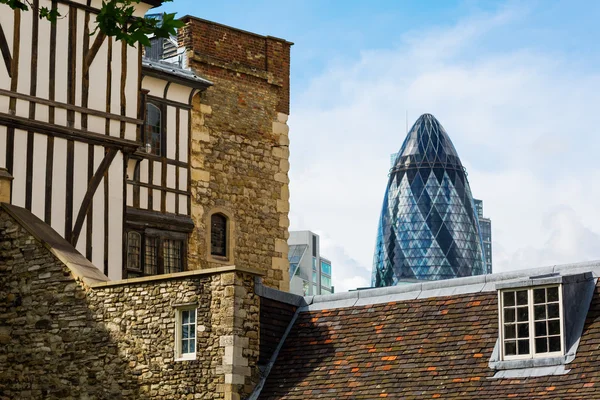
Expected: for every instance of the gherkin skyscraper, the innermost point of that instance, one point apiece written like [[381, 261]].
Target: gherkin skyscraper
[[428, 229]]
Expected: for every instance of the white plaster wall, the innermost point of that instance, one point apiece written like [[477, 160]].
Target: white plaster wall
[[183, 208], [59, 185], [115, 219], [179, 93], [40, 148], [170, 202], [7, 22], [183, 135], [171, 127], [3, 137], [156, 199], [144, 171], [98, 215], [171, 176], [144, 198], [80, 184], [154, 85], [19, 168], [182, 178]]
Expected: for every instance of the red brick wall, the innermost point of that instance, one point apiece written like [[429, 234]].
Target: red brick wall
[[237, 48]]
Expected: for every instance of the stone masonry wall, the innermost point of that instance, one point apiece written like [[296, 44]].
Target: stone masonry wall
[[239, 147], [62, 340]]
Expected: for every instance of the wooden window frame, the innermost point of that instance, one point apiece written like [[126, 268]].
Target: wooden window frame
[[163, 128], [531, 322], [161, 235], [179, 355]]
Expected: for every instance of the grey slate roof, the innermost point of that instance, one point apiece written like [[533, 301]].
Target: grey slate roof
[[186, 77]]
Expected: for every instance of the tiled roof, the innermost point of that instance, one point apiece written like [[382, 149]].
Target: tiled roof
[[435, 347]]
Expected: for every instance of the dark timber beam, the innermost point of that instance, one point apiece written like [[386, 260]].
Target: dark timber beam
[[5, 51], [15, 122], [89, 195]]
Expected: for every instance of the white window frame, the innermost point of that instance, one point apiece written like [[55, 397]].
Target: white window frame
[[532, 353], [179, 355]]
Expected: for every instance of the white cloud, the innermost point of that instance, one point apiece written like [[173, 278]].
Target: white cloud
[[524, 123]]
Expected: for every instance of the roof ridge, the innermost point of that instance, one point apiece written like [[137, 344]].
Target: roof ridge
[[448, 287]]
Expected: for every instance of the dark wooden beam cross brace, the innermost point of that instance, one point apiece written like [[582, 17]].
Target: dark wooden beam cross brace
[[5, 51], [89, 195]]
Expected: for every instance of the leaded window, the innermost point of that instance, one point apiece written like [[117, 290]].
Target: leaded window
[[218, 235], [172, 250], [151, 256], [153, 130], [153, 252], [531, 322], [134, 251]]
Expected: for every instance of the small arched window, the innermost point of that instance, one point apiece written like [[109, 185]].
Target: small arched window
[[134, 250], [218, 235], [153, 130]]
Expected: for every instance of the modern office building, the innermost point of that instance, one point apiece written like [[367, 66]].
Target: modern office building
[[486, 234], [310, 273], [428, 229]]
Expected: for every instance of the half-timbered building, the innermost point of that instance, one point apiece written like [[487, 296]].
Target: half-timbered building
[[96, 139], [148, 161]]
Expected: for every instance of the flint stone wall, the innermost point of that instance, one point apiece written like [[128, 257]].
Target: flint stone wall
[[62, 340], [239, 147]]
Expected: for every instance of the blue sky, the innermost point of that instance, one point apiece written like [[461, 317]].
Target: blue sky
[[515, 84]]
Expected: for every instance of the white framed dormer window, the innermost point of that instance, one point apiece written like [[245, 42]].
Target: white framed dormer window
[[185, 334], [531, 322]]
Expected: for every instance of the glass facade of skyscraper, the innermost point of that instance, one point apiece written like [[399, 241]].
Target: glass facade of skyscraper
[[486, 234], [429, 228]]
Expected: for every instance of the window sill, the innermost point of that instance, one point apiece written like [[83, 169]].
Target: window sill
[[530, 362], [190, 357], [219, 259]]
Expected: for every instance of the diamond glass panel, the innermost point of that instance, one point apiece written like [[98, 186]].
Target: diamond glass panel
[[429, 228]]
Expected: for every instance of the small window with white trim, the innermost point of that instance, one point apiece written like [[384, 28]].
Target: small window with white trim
[[185, 334], [531, 322]]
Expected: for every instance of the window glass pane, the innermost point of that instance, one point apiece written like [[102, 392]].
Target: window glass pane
[[134, 250], [554, 343], [552, 310], [510, 348], [540, 328], [326, 268], [509, 315], [325, 281], [523, 346], [184, 347], [153, 130], [151, 256], [554, 327], [539, 296], [185, 317], [218, 235], [192, 346], [522, 297], [541, 345], [193, 316], [553, 294], [510, 331], [185, 331], [172, 250], [539, 312], [509, 299], [523, 330], [522, 314]]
